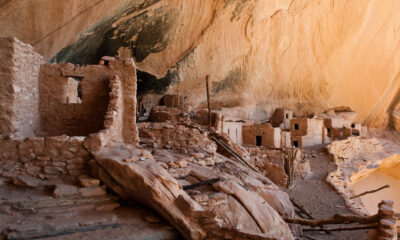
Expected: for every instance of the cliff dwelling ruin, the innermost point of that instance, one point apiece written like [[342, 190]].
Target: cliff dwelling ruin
[[226, 119]]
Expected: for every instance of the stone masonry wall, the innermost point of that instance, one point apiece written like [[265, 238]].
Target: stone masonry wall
[[74, 119], [125, 69], [120, 117], [60, 157], [19, 96]]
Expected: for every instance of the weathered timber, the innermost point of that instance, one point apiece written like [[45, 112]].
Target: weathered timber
[[208, 104], [344, 228], [369, 192], [336, 219], [201, 183]]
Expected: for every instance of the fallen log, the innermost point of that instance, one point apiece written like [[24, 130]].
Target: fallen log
[[369, 192], [344, 228], [301, 208], [303, 211], [336, 219], [235, 155], [201, 183]]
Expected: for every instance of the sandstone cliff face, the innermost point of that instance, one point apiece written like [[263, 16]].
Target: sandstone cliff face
[[305, 55]]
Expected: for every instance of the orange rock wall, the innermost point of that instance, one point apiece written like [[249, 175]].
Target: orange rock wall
[[305, 55]]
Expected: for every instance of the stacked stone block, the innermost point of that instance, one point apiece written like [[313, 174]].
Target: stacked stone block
[[19, 94]]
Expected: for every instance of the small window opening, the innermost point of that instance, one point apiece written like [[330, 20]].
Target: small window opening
[[356, 133], [296, 126], [296, 144], [287, 115], [74, 90], [106, 62], [329, 130], [353, 125], [258, 140], [229, 132]]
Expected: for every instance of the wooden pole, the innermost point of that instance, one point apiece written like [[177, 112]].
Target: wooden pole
[[208, 103], [344, 228], [336, 219], [177, 94], [201, 183], [369, 192]]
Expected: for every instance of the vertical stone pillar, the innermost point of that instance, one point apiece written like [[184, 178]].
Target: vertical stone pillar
[[19, 94], [387, 221]]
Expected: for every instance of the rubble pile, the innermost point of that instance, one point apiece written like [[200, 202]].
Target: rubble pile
[[174, 136], [274, 164]]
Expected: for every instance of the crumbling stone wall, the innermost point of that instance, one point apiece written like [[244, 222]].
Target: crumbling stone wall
[[201, 117], [94, 112], [74, 119], [174, 136], [60, 157], [19, 95], [337, 131], [73, 100]]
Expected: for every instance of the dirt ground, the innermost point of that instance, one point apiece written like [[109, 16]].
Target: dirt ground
[[317, 197]]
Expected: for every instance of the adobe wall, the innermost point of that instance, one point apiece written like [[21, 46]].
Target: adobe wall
[[286, 139], [73, 119], [310, 132], [19, 95], [233, 128], [316, 133], [108, 98], [338, 133], [266, 131]]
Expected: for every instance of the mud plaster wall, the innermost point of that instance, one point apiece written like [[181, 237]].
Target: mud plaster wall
[[337, 133], [269, 136], [233, 128], [201, 117], [19, 95], [74, 119], [310, 132], [316, 133]]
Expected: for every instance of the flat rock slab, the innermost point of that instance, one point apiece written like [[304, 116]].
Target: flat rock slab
[[26, 181]]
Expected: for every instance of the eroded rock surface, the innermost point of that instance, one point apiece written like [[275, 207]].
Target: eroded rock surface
[[242, 204], [230, 40], [354, 158]]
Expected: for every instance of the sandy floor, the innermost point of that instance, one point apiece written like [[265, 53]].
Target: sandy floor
[[322, 201], [374, 180]]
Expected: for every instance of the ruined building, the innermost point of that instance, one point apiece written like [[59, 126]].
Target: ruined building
[[211, 119]]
